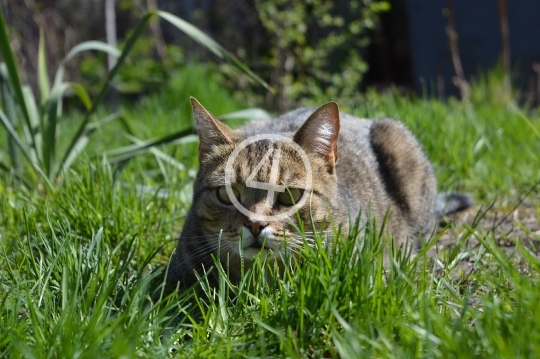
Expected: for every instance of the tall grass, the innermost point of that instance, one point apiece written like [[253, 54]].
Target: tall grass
[[81, 274], [33, 128], [81, 268]]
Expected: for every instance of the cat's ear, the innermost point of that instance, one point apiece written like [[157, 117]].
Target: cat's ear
[[212, 132], [319, 134]]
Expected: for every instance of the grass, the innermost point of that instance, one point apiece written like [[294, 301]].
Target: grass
[[81, 266], [160, 114]]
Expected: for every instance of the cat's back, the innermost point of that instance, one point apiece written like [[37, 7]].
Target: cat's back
[[352, 128]]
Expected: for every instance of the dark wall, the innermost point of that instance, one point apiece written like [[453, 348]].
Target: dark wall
[[389, 53], [477, 25]]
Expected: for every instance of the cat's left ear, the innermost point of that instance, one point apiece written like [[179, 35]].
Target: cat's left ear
[[319, 134], [212, 132]]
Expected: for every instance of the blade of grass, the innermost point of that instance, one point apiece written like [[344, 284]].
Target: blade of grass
[[159, 154], [4, 167], [112, 117], [126, 152], [53, 108], [524, 118], [11, 131], [80, 139], [83, 141], [58, 89]]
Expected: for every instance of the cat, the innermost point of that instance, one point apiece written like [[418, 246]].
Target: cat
[[355, 165]]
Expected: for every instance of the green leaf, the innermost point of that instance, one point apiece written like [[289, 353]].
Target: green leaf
[[35, 122], [127, 126], [112, 117], [248, 113], [9, 59], [211, 45], [76, 50], [49, 138], [82, 94], [524, 118], [43, 77], [4, 167], [76, 140], [9, 103], [92, 45]]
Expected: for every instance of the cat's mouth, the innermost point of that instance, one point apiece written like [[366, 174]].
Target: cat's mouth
[[256, 245], [261, 244]]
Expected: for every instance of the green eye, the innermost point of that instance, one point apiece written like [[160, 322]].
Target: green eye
[[290, 196], [223, 196]]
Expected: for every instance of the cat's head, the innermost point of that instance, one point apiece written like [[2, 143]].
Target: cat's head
[[252, 185]]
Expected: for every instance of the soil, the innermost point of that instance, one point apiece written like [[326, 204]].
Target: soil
[[504, 226]]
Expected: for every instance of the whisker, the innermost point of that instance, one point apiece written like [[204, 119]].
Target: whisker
[[301, 239], [214, 242], [212, 236], [201, 239], [203, 236], [204, 250]]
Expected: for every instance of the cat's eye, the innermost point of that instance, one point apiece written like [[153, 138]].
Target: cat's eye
[[290, 197], [223, 196]]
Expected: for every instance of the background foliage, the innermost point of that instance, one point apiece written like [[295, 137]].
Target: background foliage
[[301, 48], [316, 48]]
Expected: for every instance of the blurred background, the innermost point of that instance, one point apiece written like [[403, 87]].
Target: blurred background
[[334, 49]]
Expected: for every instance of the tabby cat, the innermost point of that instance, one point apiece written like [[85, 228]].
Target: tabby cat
[[355, 164]]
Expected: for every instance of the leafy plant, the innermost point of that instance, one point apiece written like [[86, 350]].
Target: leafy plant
[[40, 122], [315, 47], [142, 73]]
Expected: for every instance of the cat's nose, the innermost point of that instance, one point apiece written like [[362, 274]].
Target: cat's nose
[[256, 226]]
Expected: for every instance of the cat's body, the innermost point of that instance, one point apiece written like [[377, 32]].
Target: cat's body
[[357, 165], [380, 165]]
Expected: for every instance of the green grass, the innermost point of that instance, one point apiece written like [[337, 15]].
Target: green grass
[[160, 114], [81, 266]]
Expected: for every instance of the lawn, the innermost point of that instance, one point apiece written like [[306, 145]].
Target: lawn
[[81, 265]]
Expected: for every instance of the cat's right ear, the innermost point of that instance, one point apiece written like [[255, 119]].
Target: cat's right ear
[[319, 134], [212, 132]]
